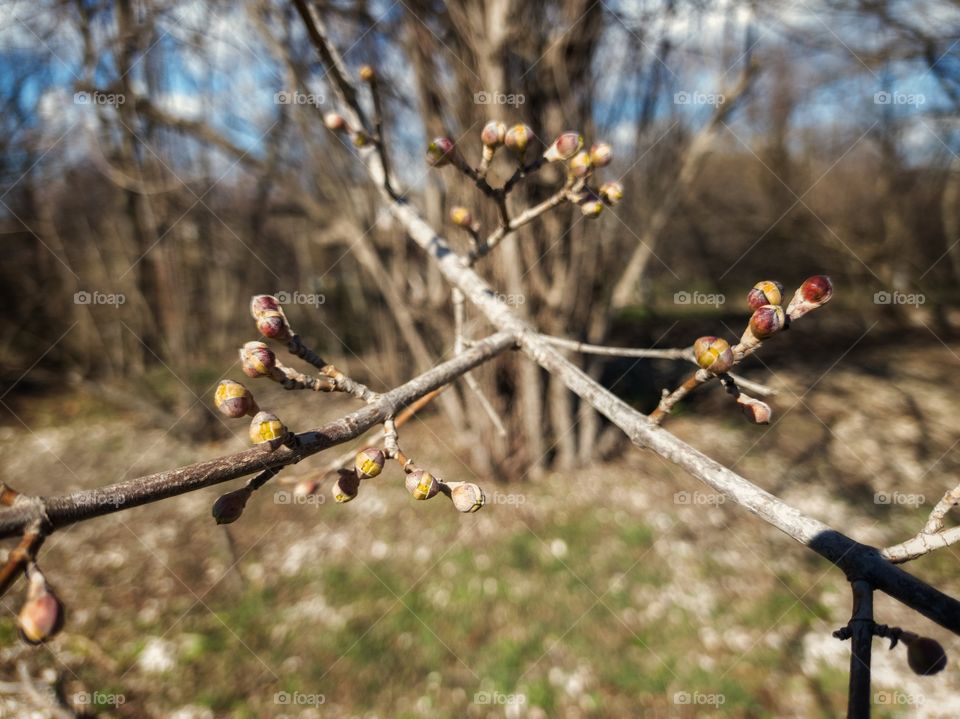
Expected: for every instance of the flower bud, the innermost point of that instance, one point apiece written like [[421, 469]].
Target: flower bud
[[41, 616], [756, 411], [228, 507], [564, 147], [233, 399], [713, 354], [346, 488], [461, 217], [274, 325], [360, 139], [467, 496], [367, 73], [611, 192], [580, 165], [591, 207], [257, 359], [266, 427], [421, 484], [767, 320], [767, 292], [493, 134], [517, 139], [813, 293], [264, 303], [335, 122], [924, 655], [369, 463], [440, 151], [601, 154]]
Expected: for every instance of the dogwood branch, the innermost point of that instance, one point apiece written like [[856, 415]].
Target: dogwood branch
[[858, 561]]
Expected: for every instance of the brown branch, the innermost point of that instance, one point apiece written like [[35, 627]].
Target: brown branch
[[85, 504]]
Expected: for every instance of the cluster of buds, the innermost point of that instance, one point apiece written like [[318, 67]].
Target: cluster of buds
[[581, 166], [41, 616], [335, 122], [769, 317], [367, 464], [467, 497]]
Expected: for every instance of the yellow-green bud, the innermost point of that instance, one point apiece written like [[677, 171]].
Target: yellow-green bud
[[266, 427], [369, 462], [713, 354], [421, 484], [767, 292], [234, 400], [346, 487], [580, 165], [461, 217]]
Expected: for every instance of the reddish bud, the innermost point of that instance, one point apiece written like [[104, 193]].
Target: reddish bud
[[601, 154], [257, 359], [767, 320], [274, 325], [611, 192], [517, 139], [713, 354], [440, 151], [767, 292], [346, 488], [461, 217], [756, 411], [41, 616], [306, 487], [467, 497], [817, 289], [494, 134], [335, 122], [264, 303], [580, 165], [234, 400], [924, 655], [564, 147], [369, 463], [229, 506], [421, 484], [266, 427]]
